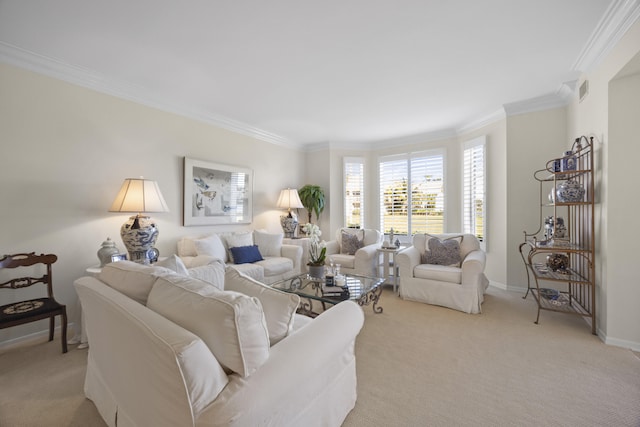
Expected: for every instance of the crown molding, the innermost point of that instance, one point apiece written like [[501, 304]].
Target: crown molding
[[618, 18], [481, 122], [90, 79], [560, 98]]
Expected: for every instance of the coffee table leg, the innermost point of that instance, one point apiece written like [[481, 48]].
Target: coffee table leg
[[372, 296]]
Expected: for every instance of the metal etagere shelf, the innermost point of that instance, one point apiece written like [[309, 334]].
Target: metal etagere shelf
[[572, 286]]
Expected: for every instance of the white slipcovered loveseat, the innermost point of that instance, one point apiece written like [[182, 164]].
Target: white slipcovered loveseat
[[197, 355], [428, 277], [258, 254]]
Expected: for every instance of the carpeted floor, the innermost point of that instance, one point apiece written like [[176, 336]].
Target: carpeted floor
[[418, 365]]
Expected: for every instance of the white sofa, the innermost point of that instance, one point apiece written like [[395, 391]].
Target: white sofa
[[364, 260], [459, 286], [279, 261], [196, 355]]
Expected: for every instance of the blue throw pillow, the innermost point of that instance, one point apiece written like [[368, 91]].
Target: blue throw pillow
[[245, 254]]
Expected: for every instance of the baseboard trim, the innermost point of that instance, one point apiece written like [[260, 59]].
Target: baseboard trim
[[36, 337]]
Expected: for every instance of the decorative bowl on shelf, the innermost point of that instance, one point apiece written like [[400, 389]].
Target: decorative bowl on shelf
[[549, 293], [557, 262], [570, 191]]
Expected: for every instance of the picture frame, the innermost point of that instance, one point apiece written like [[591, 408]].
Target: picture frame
[[216, 194], [119, 257]]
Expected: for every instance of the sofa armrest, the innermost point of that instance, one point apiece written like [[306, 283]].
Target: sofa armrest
[[332, 247], [367, 259], [407, 260], [473, 268], [294, 253], [324, 347]]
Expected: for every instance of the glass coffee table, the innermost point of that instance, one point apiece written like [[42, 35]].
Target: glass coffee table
[[361, 289]]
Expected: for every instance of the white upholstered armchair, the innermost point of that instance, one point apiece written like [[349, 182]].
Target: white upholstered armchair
[[356, 250], [455, 283]]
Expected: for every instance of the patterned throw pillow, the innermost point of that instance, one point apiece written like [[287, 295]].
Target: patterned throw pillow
[[351, 243], [443, 252]]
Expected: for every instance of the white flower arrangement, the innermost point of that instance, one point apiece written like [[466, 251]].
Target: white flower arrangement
[[317, 248]]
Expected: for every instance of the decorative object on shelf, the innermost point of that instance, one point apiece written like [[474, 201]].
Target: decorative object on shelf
[[554, 228], [388, 244], [153, 255], [559, 230], [570, 191], [107, 249], [568, 162], [139, 233], [549, 293], [216, 194], [289, 199], [312, 198], [558, 262], [317, 250], [397, 243]]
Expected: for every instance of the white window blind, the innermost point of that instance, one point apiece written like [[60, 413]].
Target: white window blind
[[474, 196], [354, 192], [412, 193]]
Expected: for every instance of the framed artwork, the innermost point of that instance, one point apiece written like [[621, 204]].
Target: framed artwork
[[216, 194]]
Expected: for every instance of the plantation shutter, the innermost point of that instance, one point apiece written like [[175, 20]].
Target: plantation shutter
[[412, 193], [474, 197], [354, 192]]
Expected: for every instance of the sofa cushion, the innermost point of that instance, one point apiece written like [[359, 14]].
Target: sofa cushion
[[270, 244], [231, 324], [350, 243], [254, 270], [442, 251], [132, 279], [212, 246], [279, 307], [173, 263], [441, 273], [346, 261], [274, 266], [245, 254]]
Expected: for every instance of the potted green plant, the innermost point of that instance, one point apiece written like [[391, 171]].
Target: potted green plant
[[312, 198]]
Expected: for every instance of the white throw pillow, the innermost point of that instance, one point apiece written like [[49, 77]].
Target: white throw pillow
[[212, 273], [211, 246], [174, 263], [236, 240], [132, 279], [269, 244], [231, 324], [279, 307]]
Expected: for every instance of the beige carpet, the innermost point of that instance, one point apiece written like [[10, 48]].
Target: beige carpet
[[418, 365]]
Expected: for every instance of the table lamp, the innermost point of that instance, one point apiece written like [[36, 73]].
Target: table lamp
[[139, 233], [289, 199]]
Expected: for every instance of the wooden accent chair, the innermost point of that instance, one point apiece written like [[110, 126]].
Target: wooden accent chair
[[22, 312]]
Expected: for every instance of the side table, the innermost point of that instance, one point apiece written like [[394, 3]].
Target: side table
[[388, 269]]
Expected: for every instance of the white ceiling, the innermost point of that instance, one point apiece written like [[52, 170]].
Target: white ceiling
[[307, 72]]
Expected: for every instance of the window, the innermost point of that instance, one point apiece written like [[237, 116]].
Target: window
[[412, 193], [473, 190], [354, 192]]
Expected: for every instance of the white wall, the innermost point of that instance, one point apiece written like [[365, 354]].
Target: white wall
[[66, 151], [604, 114], [532, 140]]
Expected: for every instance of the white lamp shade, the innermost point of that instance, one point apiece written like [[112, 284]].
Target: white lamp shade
[[139, 195], [289, 199]]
